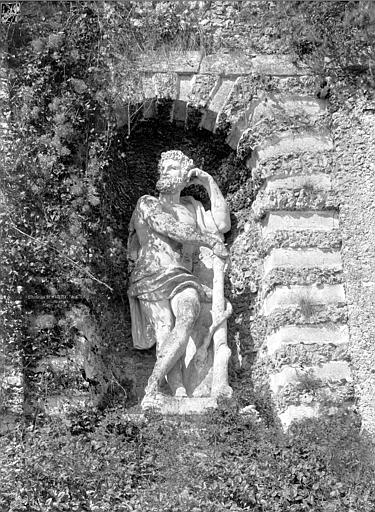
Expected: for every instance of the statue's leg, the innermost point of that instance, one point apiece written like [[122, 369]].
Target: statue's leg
[[185, 306]]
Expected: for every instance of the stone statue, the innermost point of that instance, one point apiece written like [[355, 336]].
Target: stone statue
[[173, 247]]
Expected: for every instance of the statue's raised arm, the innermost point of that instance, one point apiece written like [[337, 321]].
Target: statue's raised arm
[[170, 297]]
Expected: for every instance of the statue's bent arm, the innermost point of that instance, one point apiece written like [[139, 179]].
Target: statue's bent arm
[[219, 207], [166, 225]]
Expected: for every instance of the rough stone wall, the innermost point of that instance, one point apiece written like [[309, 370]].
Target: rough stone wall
[[353, 129], [286, 249], [11, 377], [303, 358]]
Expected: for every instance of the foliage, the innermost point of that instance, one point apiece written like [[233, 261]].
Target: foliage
[[334, 38], [227, 461]]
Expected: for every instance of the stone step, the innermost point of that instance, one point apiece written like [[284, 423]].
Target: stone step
[[302, 258], [319, 181], [303, 296], [331, 334], [291, 142], [320, 220], [333, 371]]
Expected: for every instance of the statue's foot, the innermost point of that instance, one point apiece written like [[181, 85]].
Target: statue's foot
[[180, 392], [152, 389], [224, 390]]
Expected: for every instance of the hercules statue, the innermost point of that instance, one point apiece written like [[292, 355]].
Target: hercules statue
[[167, 296]]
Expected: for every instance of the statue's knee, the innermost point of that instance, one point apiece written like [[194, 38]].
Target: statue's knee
[[187, 306]]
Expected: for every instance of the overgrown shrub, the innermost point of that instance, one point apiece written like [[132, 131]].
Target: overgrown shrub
[[226, 461]]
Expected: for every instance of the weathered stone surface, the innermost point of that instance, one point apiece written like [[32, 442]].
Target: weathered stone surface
[[284, 199], [185, 87], [287, 276], [292, 315], [325, 240], [178, 406], [277, 65], [306, 109], [294, 142], [308, 258], [333, 371], [166, 85], [183, 246], [215, 105], [176, 61], [314, 221], [303, 296], [227, 64], [334, 334], [202, 88], [317, 181], [354, 178], [298, 164]]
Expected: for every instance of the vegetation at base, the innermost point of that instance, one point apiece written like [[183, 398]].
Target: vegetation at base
[[226, 461]]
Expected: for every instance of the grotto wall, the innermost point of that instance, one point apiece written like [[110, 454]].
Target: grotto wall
[[270, 109], [302, 249]]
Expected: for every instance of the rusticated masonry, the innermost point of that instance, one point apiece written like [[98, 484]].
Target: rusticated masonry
[[303, 296]]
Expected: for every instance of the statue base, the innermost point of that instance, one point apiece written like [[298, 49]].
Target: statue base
[[178, 406]]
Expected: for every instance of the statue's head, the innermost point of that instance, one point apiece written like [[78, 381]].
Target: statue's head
[[173, 169]]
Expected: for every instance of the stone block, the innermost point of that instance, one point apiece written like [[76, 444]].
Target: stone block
[[306, 258], [304, 109], [227, 64], [298, 221], [236, 63], [293, 143], [314, 181], [185, 87], [303, 296], [216, 104], [333, 371], [175, 61], [175, 406], [166, 85], [278, 65], [203, 86], [330, 334]]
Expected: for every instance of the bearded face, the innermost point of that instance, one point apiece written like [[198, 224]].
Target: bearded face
[[173, 177]]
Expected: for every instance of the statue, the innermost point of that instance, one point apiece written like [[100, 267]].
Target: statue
[[177, 255]]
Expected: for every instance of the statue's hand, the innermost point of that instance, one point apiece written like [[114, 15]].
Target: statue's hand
[[198, 177], [220, 250]]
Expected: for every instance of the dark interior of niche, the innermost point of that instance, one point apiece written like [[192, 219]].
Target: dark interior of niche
[[133, 164], [132, 173]]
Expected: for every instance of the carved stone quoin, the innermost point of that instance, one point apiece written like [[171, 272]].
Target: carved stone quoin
[[176, 293]]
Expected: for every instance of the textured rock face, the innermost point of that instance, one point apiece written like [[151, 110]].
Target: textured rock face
[[303, 299], [354, 179], [11, 378]]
